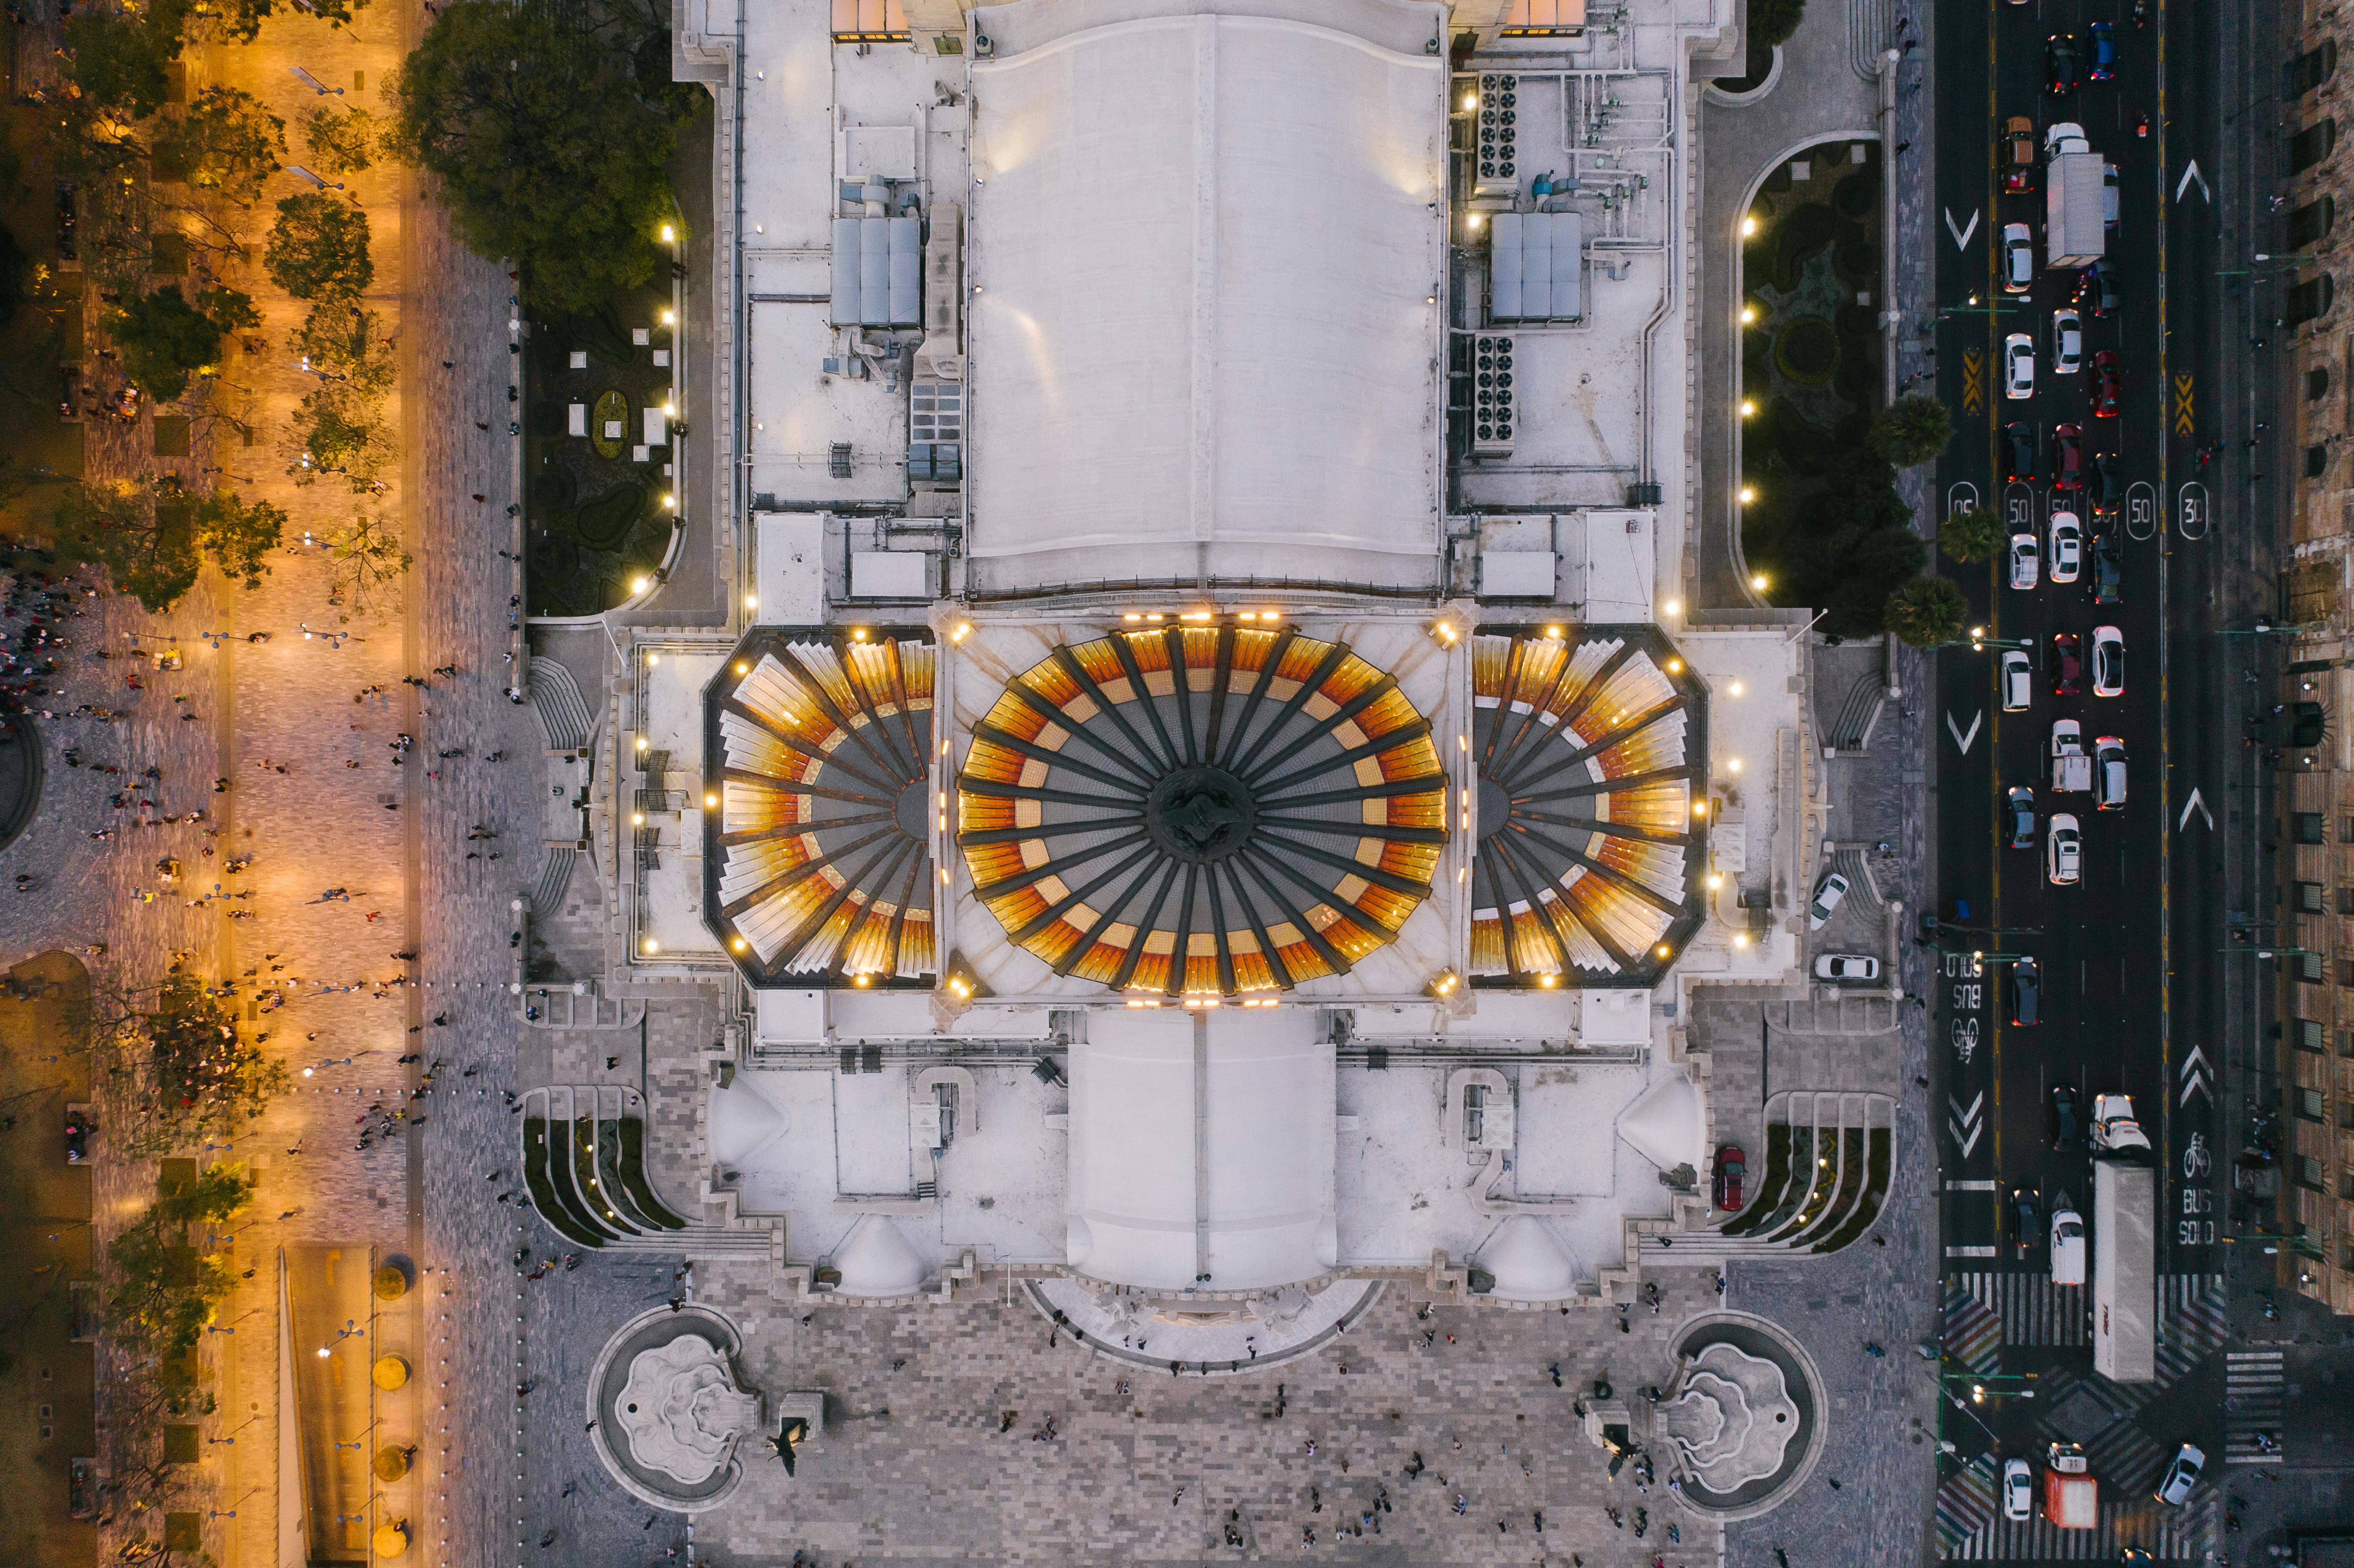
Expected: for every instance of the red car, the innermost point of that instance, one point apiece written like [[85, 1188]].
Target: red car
[[2067, 457], [1731, 1167], [2108, 384], [2066, 670]]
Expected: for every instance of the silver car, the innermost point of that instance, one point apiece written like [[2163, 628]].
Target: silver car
[[2026, 566]]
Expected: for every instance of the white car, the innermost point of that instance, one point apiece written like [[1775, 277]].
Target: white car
[[2018, 1489], [2181, 1475], [2063, 851], [2018, 259], [1847, 967], [1828, 894], [2018, 682], [2067, 343], [2108, 662], [2067, 546], [2018, 367], [2026, 567], [2108, 774]]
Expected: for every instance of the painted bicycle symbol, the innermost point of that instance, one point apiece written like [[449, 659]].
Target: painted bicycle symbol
[[2194, 1155]]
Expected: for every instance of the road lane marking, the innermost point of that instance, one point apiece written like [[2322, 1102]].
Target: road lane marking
[[1974, 1252], [2185, 422], [1965, 1124], [2194, 804], [1959, 738], [2190, 172], [1973, 380], [1961, 233], [1977, 1185], [2195, 1075]]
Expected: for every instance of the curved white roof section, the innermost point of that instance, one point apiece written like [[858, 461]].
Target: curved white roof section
[[1222, 1166], [1205, 241]]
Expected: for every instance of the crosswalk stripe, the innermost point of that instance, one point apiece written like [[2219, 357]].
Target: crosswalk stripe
[[2256, 1388]]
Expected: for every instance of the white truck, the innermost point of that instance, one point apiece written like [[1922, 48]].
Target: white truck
[[2125, 1283], [2072, 765], [2075, 233]]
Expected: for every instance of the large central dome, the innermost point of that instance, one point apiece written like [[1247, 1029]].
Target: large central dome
[[1266, 804]]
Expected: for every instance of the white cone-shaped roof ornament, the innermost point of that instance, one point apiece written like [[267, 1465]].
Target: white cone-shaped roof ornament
[[1527, 1263], [1666, 1126], [876, 1259]]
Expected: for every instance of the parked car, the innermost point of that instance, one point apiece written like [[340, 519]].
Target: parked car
[[1828, 894], [2025, 993], [2067, 457], [2021, 437], [2108, 568], [1732, 1165], [2105, 51], [2066, 669], [1847, 967], [2108, 773], [2018, 367], [2059, 65], [2063, 851], [2108, 662], [2067, 1119], [2067, 342], [2026, 566], [2019, 806], [2017, 679], [2181, 1475], [2108, 484], [2018, 1489], [2017, 259], [2096, 290], [2018, 154], [2108, 384], [2067, 546]]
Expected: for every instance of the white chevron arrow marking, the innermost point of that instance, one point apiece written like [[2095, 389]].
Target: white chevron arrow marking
[[1961, 739], [2194, 804], [1961, 232], [2189, 172], [2196, 1075]]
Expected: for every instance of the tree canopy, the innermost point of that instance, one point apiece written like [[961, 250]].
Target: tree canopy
[[367, 556], [152, 538], [1913, 430], [338, 429], [1970, 535], [341, 339], [1773, 21], [318, 248], [202, 1078], [242, 19], [342, 140], [164, 339], [122, 60], [1926, 610], [163, 1289], [1854, 544], [547, 147], [226, 140]]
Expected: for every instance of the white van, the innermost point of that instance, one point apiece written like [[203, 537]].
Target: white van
[[2067, 1244]]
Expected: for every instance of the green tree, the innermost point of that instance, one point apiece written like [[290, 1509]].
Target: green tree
[[162, 338], [338, 429], [1773, 21], [319, 249], [1913, 430], [367, 556], [342, 140], [1971, 535], [122, 60], [146, 544], [163, 1289], [242, 19], [237, 534], [547, 146], [340, 339], [226, 140], [200, 1079], [1926, 610]]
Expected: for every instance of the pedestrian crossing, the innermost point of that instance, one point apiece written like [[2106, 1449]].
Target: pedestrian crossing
[[1973, 1333], [2254, 1388], [2126, 1519], [1965, 1504], [2033, 1311], [2191, 1323], [2127, 1458]]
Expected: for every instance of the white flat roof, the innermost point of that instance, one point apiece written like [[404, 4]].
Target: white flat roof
[[1204, 248]]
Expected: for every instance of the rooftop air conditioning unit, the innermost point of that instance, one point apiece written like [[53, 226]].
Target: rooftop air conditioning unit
[[1498, 139], [1491, 397]]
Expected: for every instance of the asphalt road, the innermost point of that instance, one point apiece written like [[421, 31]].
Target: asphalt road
[[2134, 958]]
